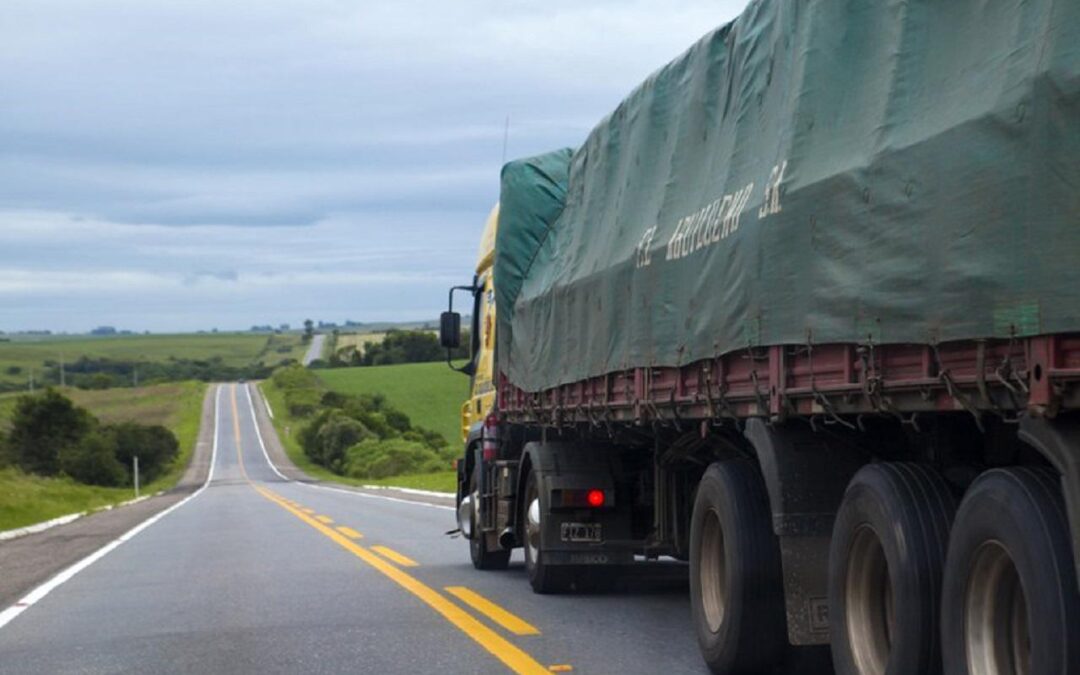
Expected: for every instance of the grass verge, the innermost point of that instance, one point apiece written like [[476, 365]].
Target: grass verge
[[26, 499], [440, 481]]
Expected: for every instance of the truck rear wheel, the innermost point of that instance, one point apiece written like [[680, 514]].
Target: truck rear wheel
[[885, 566], [483, 557], [736, 588], [1010, 604], [543, 578]]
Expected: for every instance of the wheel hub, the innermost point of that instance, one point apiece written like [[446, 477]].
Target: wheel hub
[[713, 572], [996, 634], [532, 527], [868, 603]]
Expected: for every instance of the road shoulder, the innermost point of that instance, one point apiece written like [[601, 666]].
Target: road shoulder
[[32, 559]]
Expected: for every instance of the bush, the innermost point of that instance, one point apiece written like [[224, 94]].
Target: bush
[[96, 381], [333, 437], [382, 458], [309, 435], [155, 446], [432, 439], [301, 402], [358, 435], [301, 390], [93, 461], [397, 420], [295, 377], [363, 404], [376, 422], [333, 399], [43, 427]]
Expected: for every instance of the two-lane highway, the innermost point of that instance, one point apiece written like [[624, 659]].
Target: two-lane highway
[[257, 573]]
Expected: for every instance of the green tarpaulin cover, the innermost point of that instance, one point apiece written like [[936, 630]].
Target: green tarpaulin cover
[[903, 171]]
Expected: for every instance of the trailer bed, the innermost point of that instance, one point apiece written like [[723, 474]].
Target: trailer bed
[[827, 383]]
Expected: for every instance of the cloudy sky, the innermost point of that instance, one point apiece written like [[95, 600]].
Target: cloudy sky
[[181, 165]]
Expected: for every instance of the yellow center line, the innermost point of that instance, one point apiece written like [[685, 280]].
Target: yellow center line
[[560, 668], [509, 654], [324, 519], [504, 618], [391, 554], [512, 656], [349, 532], [236, 432]]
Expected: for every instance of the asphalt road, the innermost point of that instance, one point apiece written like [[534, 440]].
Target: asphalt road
[[314, 349], [259, 573]]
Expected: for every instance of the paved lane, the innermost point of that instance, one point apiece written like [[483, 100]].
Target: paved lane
[[258, 573], [315, 349]]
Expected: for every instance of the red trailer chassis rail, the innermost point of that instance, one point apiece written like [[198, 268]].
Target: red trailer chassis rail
[[834, 382]]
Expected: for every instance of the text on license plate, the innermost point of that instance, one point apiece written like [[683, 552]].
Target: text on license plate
[[581, 532]]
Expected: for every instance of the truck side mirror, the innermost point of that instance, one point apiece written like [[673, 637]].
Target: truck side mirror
[[450, 330]]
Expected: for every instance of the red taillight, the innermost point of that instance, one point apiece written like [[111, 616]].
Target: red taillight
[[595, 498], [490, 444]]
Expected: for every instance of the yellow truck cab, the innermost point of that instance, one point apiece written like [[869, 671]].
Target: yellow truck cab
[[482, 390], [478, 425]]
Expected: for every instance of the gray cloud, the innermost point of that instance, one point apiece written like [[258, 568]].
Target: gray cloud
[[176, 165]]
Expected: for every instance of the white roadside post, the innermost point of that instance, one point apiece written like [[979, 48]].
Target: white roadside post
[[135, 461]]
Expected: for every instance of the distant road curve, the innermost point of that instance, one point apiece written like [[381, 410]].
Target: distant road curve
[[315, 350]]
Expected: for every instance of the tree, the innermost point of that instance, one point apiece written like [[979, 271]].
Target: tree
[[404, 346], [42, 428], [309, 330]]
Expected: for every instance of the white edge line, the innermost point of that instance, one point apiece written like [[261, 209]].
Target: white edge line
[[410, 491], [31, 598], [266, 402], [262, 445]]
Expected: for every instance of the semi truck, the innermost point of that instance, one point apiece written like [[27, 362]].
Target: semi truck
[[803, 312]]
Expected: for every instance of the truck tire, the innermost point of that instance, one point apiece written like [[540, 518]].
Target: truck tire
[[483, 557], [885, 566], [543, 578], [1010, 602], [736, 588]]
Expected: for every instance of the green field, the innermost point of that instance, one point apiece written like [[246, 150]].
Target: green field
[[429, 393], [26, 499], [21, 355]]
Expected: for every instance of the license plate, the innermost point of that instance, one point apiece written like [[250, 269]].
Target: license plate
[[581, 532]]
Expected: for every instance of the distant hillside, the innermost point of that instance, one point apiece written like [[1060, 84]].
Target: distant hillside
[[127, 359]]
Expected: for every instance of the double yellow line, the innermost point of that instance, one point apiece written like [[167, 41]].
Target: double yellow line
[[512, 656]]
